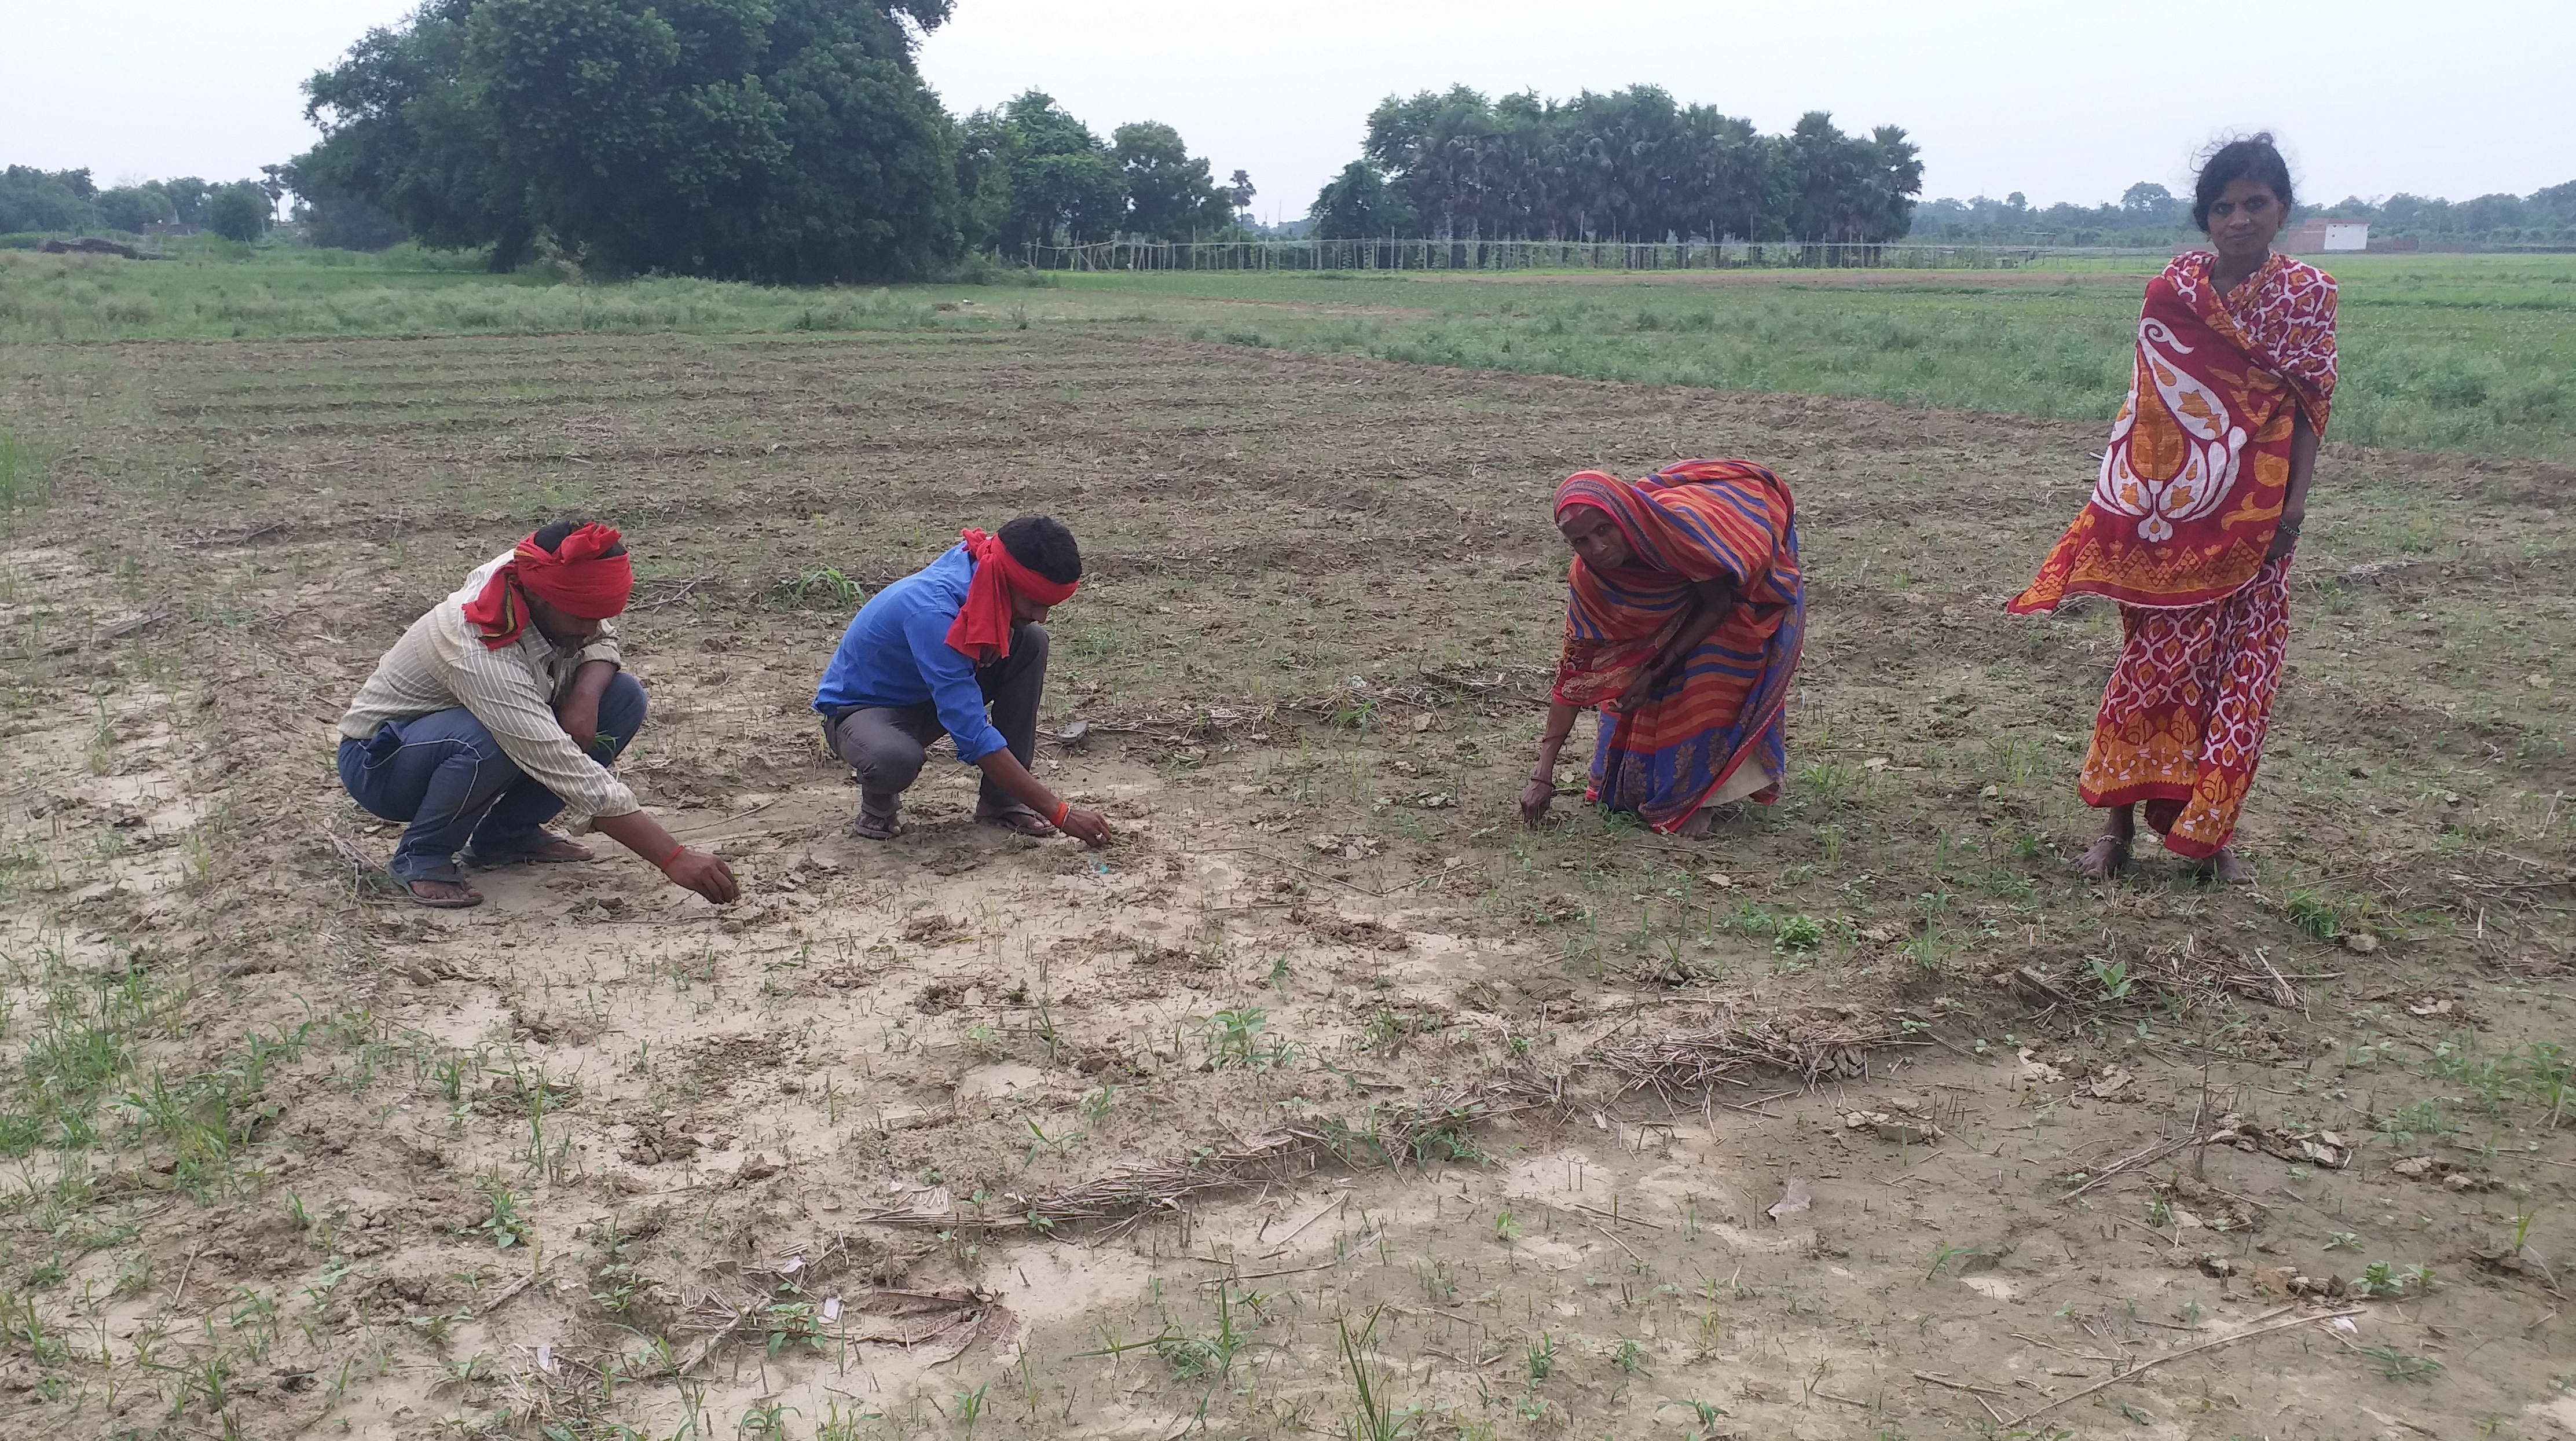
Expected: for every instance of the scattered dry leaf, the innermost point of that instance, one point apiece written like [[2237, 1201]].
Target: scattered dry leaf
[[2036, 1072]]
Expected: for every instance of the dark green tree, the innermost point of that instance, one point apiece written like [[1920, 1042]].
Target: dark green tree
[[1841, 188], [333, 218], [781, 140], [32, 199], [2555, 205], [987, 146], [1059, 184], [187, 196], [1358, 204], [2148, 203], [1170, 195], [131, 207], [239, 211], [1632, 165]]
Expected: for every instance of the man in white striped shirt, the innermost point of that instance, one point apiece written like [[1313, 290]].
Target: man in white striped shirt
[[499, 708]]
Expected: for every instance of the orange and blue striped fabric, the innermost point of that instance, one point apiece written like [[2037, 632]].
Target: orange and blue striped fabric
[[1698, 521]]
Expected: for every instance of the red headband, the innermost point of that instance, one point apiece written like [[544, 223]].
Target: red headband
[[575, 577], [983, 623]]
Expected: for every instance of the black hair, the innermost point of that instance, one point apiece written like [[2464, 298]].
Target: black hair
[[550, 536], [1041, 543], [2250, 157]]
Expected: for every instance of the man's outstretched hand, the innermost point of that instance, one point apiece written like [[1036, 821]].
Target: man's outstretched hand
[[703, 873], [1004, 770], [1088, 827], [689, 869]]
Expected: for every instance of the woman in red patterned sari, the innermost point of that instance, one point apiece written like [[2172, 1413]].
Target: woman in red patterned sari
[[2193, 522]]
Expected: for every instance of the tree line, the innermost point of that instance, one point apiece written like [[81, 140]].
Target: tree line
[[788, 141], [1631, 165], [2146, 214], [2544, 217], [35, 200], [2149, 214]]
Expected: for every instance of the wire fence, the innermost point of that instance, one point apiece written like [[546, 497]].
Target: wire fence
[[1493, 255]]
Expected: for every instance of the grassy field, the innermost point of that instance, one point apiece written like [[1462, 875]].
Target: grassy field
[[2444, 353], [1332, 1101]]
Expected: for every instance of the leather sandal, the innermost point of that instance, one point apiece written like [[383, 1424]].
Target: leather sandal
[[1017, 819], [877, 823], [468, 897]]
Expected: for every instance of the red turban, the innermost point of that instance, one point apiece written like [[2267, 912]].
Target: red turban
[[576, 577], [982, 629]]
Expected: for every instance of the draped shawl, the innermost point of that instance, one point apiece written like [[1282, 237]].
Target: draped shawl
[[2189, 496]]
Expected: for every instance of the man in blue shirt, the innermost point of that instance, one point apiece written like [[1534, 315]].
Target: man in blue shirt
[[924, 658]]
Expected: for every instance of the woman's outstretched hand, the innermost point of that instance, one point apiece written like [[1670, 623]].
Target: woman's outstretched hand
[[1535, 797]]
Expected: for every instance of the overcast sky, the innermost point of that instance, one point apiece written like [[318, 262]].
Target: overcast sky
[[2062, 100]]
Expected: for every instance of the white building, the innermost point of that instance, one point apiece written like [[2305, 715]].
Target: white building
[[2319, 233]]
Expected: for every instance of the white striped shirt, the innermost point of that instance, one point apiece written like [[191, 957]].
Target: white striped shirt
[[441, 663]]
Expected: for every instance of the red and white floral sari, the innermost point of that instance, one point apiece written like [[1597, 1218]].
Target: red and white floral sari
[[2179, 531]]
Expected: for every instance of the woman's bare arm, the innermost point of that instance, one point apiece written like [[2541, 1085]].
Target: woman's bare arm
[[1542, 786], [2294, 501]]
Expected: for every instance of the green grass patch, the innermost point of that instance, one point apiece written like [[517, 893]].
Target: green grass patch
[[2453, 352], [22, 477]]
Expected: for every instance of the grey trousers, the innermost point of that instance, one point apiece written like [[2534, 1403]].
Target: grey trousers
[[885, 744]]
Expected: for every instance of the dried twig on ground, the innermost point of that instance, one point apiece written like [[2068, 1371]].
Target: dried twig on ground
[[2132, 1372], [2116, 1167], [1690, 1060], [677, 595]]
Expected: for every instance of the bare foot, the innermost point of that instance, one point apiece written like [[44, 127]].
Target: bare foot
[[2226, 869], [1698, 826], [2108, 857]]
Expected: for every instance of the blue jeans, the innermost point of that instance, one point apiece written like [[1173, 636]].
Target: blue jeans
[[446, 776]]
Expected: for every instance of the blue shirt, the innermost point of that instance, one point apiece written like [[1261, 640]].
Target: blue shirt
[[896, 653]]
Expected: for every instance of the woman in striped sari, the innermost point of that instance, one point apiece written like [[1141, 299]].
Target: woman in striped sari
[[1683, 622], [2195, 517]]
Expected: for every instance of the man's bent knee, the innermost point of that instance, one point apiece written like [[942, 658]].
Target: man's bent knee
[[884, 758], [622, 707]]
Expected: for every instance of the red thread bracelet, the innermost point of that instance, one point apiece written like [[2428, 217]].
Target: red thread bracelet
[[678, 849], [1062, 809]]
